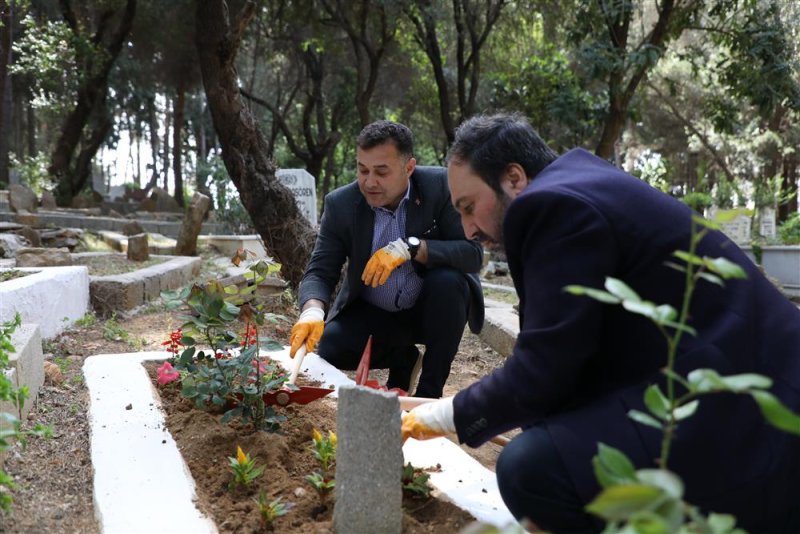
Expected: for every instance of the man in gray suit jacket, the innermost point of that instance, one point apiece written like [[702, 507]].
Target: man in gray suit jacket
[[411, 275]]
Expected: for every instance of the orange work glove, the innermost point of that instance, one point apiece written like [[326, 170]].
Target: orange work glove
[[431, 420], [308, 330], [384, 261]]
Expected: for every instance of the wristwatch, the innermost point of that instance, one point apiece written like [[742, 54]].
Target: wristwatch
[[413, 244]]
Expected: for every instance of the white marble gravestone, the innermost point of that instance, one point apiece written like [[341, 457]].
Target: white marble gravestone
[[303, 186], [766, 223]]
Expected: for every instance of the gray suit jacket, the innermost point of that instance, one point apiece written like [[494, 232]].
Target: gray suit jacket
[[346, 234]]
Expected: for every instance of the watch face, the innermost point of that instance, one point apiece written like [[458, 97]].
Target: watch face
[[413, 241]]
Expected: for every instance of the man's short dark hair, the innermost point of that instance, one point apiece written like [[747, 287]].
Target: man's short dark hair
[[383, 131], [489, 143]]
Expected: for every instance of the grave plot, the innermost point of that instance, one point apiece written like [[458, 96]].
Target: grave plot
[[126, 409], [52, 297], [125, 291]]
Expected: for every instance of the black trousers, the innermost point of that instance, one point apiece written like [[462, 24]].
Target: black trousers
[[436, 320], [535, 485]]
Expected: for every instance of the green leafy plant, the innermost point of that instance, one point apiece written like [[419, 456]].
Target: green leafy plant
[[268, 510], [113, 331], [244, 469], [415, 481], [88, 320], [216, 350], [789, 231], [322, 483], [651, 500], [324, 448], [10, 425]]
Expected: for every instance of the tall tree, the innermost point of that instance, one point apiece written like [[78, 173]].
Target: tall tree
[[370, 27], [473, 21], [286, 233], [6, 39], [87, 125], [623, 41]]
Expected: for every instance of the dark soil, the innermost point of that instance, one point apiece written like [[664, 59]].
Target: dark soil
[[206, 444]]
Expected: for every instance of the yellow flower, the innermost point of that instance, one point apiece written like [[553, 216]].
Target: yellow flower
[[332, 437], [317, 435], [240, 456]]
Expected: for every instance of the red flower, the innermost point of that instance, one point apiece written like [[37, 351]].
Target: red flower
[[167, 374]]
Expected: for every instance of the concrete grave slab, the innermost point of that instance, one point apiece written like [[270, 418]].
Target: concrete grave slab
[[127, 291], [132, 482], [52, 297], [26, 367]]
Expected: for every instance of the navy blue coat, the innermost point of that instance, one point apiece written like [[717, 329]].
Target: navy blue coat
[[580, 365]]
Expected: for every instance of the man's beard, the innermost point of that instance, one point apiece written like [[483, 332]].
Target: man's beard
[[497, 243]]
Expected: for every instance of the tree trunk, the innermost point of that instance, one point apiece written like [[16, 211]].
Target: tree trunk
[[68, 178], [789, 187], [286, 233], [6, 39], [177, 145], [167, 133], [152, 119]]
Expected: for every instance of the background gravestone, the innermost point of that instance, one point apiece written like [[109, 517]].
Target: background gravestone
[[21, 198], [137, 248], [192, 222], [766, 223], [304, 188], [369, 462]]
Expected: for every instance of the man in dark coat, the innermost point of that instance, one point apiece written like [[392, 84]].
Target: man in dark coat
[[411, 274], [579, 365]]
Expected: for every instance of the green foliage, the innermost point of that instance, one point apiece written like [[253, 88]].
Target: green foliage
[[220, 365], [699, 201], [113, 331], [46, 53], [651, 500], [244, 469], [33, 171], [269, 510], [229, 209], [323, 484], [546, 89], [324, 448], [415, 481], [789, 231], [10, 425], [88, 320]]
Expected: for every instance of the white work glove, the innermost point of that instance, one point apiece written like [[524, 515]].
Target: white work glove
[[431, 420], [308, 330], [384, 261]]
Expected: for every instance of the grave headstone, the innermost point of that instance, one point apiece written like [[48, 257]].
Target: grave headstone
[[21, 198], [43, 257], [739, 230], [132, 228], [48, 201], [766, 223], [163, 201], [192, 222], [369, 462], [31, 235], [303, 186], [137, 248]]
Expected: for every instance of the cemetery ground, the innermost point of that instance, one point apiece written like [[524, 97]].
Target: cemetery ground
[[53, 477]]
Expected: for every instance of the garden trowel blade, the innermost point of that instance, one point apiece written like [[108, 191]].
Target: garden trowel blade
[[304, 395]]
